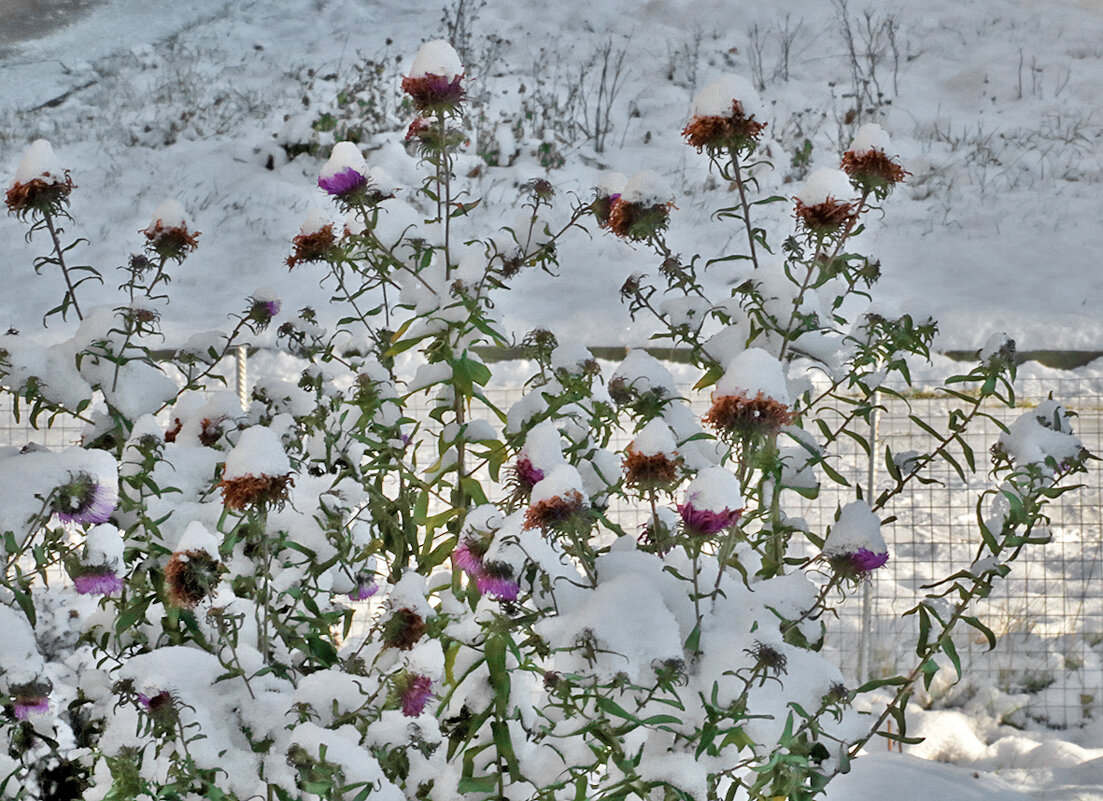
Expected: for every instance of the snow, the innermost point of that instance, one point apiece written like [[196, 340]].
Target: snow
[[857, 527], [344, 156], [436, 58], [655, 438], [752, 372], [170, 214], [715, 100], [39, 162], [315, 221], [870, 136], [826, 183], [103, 546], [647, 188], [258, 452], [559, 482], [714, 489]]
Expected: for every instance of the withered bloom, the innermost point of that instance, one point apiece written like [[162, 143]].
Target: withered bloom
[[39, 195], [828, 217], [191, 576], [650, 472], [636, 221], [554, 511], [251, 491], [767, 658], [171, 242], [741, 415], [315, 246], [403, 629], [736, 131], [872, 171], [431, 93]]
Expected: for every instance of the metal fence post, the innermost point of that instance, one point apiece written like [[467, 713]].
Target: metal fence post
[[242, 377], [864, 639]]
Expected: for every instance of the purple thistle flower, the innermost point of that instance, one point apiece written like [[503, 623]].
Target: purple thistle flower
[[343, 182], [431, 92], [528, 473], [273, 307], [23, 707], [416, 695], [98, 582], [84, 500], [857, 564], [468, 556], [496, 580], [364, 591], [705, 521]]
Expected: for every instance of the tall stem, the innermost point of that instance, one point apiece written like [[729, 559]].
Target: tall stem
[[61, 261], [738, 171]]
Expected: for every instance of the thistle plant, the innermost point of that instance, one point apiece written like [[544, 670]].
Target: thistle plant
[[521, 638]]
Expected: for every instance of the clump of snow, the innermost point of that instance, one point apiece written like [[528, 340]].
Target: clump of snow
[[197, 537], [643, 372], [436, 58], [870, 136], [647, 188], [543, 446], [611, 183], [315, 221], [38, 163], [715, 100], [1040, 434], [571, 357], [170, 214], [857, 527], [258, 452], [655, 438], [560, 481], [826, 184], [344, 156], [103, 545], [754, 371], [714, 489]]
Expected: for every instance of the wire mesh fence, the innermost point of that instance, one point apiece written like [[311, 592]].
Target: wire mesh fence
[[1047, 615]]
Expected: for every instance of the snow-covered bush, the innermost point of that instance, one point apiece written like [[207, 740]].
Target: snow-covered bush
[[522, 642]]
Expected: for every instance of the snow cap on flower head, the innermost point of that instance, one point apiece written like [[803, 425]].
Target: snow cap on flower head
[[752, 397], [101, 562], [315, 241], [854, 546], [167, 233], [651, 460], [713, 502], [726, 114], [257, 471], [435, 80], [826, 203], [40, 183], [639, 211], [868, 164], [556, 499]]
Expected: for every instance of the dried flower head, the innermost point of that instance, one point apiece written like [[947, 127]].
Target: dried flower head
[[256, 492], [734, 131], [171, 242], [636, 221], [435, 82], [540, 189], [826, 218], [403, 629], [261, 312], [743, 416], [874, 172], [657, 471], [191, 576], [555, 511], [41, 186], [767, 658], [314, 246]]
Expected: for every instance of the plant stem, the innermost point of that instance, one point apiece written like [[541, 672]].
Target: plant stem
[[61, 261], [738, 171]]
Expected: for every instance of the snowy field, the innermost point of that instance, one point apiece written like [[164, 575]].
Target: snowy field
[[992, 106]]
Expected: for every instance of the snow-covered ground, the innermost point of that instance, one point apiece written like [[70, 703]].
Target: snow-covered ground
[[990, 105]]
